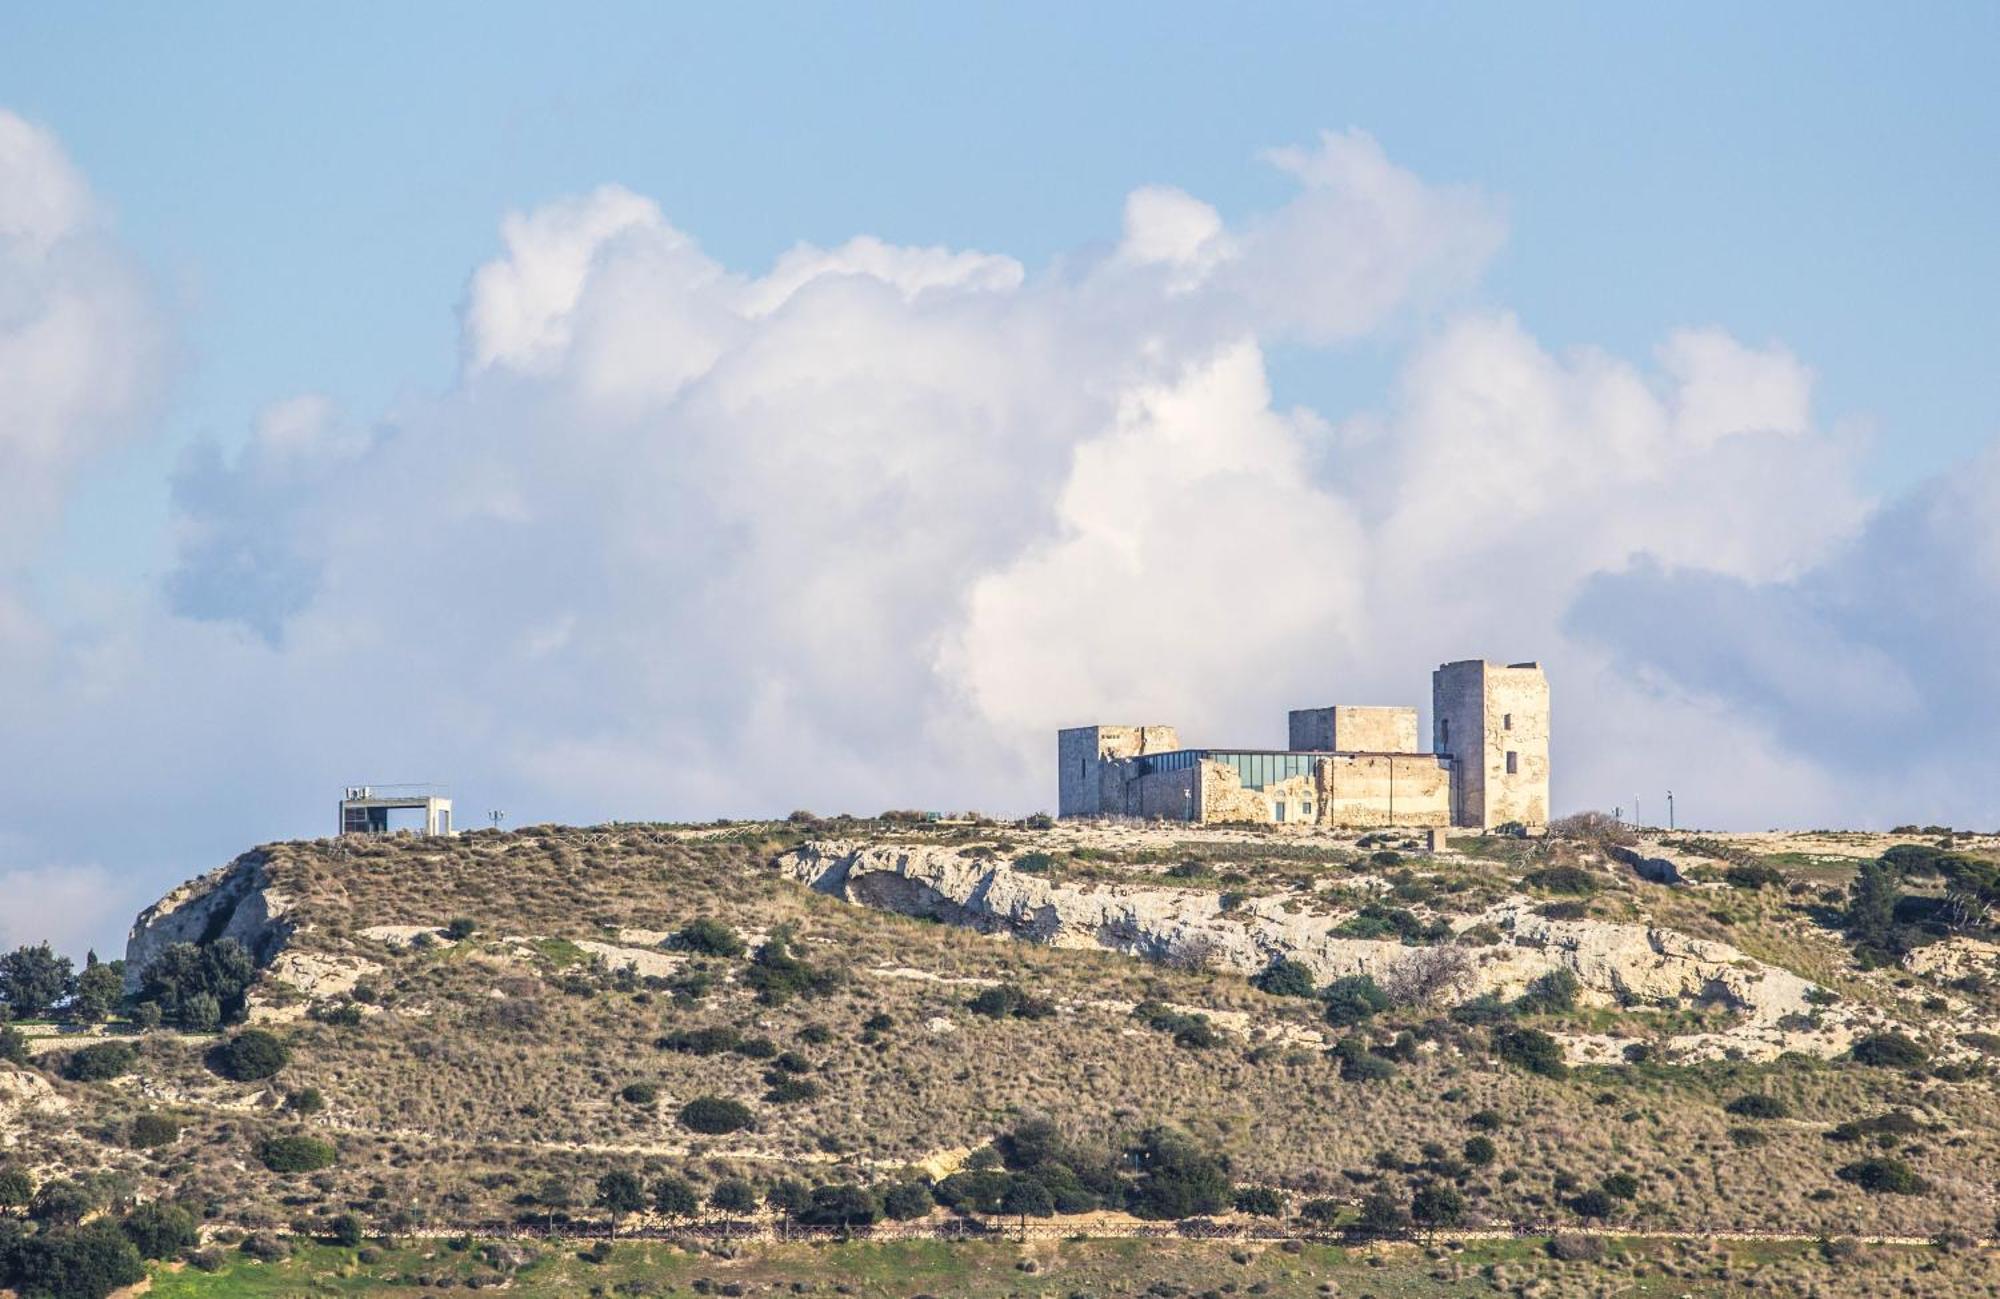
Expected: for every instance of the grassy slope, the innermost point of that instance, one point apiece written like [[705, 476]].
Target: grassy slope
[[496, 1064]]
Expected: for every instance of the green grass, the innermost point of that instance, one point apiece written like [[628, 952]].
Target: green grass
[[1098, 1268]]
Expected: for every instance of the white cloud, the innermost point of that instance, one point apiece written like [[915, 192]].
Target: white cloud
[[861, 530]]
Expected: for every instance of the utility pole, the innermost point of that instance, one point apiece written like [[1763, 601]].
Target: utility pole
[[1670, 809], [1638, 821]]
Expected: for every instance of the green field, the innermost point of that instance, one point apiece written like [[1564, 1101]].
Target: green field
[[1101, 1269]]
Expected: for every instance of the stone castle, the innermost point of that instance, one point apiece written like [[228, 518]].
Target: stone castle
[[1346, 766]]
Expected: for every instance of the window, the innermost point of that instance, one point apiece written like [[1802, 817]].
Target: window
[[1444, 735], [1513, 763], [1280, 807], [1506, 721]]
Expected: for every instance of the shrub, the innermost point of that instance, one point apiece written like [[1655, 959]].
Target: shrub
[[1485, 1120], [700, 1041], [1889, 1050], [346, 1230], [1352, 999], [77, 1263], [1755, 1106], [1882, 1175], [1551, 993], [1561, 879], [151, 1130], [709, 938], [17, 1189], [13, 1044], [1035, 863], [715, 1115], [1592, 1204], [307, 1100], [778, 976], [1576, 1249], [1621, 1186], [296, 1154], [756, 1048], [1192, 1031], [907, 1200], [1437, 1204], [250, 1056], [159, 1230], [1480, 1151], [786, 1090], [62, 1202], [733, 1195], [1358, 1063], [1262, 1201], [460, 929], [1531, 1049], [843, 1205], [1753, 875], [1003, 1000], [1285, 977], [640, 1093], [1177, 1179], [1895, 1123], [1748, 1138], [100, 1061]]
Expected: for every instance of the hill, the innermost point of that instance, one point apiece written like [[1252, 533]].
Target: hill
[[1137, 1022]]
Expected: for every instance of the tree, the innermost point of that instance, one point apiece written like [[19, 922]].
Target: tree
[[1592, 1204], [159, 1230], [34, 979], [844, 1205], [1177, 1179], [1480, 1151], [1551, 993], [1871, 910], [1382, 1214], [99, 1061], [907, 1200], [461, 929], [1621, 1186], [733, 1195], [674, 1197], [1437, 1204], [554, 1193], [1027, 1198], [1261, 1201], [198, 988], [346, 1230], [61, 1202], [77, 1263], [13, 1045], [620, 1192], [1285, 977], [1531, 1049], [250, 1056], [98, 991]]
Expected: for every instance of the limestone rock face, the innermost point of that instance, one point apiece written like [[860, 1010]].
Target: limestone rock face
[[234, 901], [24, 1092], [1615, 963]]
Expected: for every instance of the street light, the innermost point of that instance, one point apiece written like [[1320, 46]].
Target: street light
[[1670, 809]]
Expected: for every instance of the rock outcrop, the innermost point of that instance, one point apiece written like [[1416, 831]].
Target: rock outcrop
[[235, 901], [1613, 963]]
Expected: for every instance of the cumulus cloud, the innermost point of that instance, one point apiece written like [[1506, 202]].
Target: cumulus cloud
[[79, 342], [860, 530]]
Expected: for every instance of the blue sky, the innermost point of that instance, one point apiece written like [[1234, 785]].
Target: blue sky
[[312, 186], [1657, 343]]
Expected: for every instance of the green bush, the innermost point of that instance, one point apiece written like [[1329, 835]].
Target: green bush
[[199, 987], [1562, 879], [1895, 1124], [1480, 1151], [639, 1093], [159, 1230], [1192, 1031], [1004, 1000], [907, 1200], [1552, 993], [844, 1205], [62, 1202], [700, 1041], [1531, 1049], [1882, 1175], [1748, 1138], [777, 976], [99, 1062], [709, 937], [733, 1195], [1260, 1201], [251, 1056], [1359, 1063], [1352, 999], [17, 1189], [715, 1115], [76, 1262], [1757, 1106], [1889, 1050], [461, 929], [1621, 1186], [1177, 1179], [1285, 977], [1593, 1204], [13, 1044], [151, 1130], [347, 1229], [674, 1197], [296, 1154], [1753, 875]]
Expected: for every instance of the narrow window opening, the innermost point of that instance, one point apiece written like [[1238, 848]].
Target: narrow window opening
[[1513, 763], [1444, 735], [1506, 721]]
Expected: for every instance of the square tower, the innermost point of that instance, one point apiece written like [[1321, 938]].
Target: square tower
[[1346, 728], [1082, 753], [1492, 721]]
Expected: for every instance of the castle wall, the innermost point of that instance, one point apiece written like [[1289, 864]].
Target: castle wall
[[1346, 728], [1359, 790], [1089, 781]]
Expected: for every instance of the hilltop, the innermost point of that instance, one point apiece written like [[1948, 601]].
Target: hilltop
[[1666, 1033]]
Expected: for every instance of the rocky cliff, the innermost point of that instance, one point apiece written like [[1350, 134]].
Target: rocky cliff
[[235, 901]]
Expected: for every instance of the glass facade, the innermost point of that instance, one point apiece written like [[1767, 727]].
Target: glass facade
[[1257, 768]]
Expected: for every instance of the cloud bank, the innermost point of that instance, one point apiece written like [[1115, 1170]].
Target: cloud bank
[[863, 529]]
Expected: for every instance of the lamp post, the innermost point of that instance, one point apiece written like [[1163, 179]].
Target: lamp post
[[1670, 810]]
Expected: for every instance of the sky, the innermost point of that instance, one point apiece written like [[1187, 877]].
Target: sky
[[651, 412]]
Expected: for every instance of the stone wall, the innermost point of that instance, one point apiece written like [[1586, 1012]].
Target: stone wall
[[1346, 728], [1360, 790], [1087, 784]]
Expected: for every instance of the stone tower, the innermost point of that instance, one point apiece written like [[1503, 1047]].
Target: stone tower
[[1081, 752], [1492, 721]]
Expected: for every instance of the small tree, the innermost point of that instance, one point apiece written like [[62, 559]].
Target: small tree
[[461, 929], [347, 1230], [159, 1230], [1260, 1201], [674, 1197], [554, 1193], [620, 1192], [1871, 911], [1353, 999], [17, 1189], [98, 991], [733, 1195], [1382, 1214], [907, 1200], [99, 1061], [77, 1262], [708, 937], [1285, 977], [250, 1056], [1437, 1204], [296, 1154], [34, 979], [1480, 1151], [715, 1116]]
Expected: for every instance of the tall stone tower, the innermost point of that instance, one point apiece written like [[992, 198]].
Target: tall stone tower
[[1082, 751], [1492, 721]]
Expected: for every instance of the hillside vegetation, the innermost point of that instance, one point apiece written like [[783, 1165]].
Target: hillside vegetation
[[846, 1023]]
